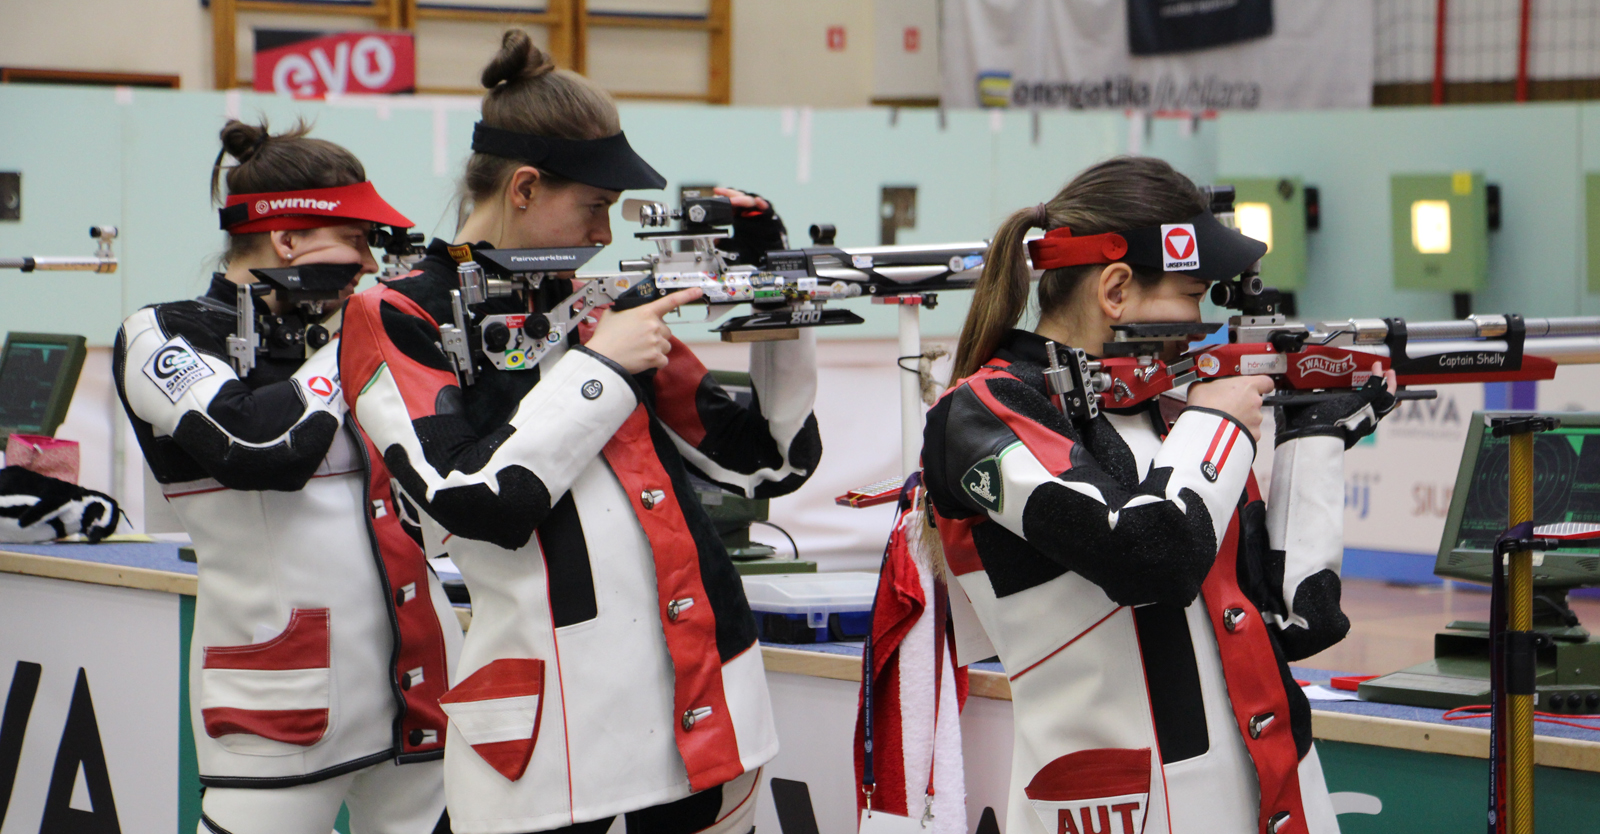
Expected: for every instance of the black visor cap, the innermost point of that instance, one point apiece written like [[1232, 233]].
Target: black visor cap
[[608, 163], [1222, 252]]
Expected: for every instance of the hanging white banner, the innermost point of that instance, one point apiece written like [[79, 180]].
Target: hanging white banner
[[1077, 54]]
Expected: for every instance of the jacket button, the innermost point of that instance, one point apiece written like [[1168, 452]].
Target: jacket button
[[414, 737], [399, 598], [693, 716], [1231, 619], [1278, 822], [651, 497], [405, 684], [676, 608], [1259, 724]]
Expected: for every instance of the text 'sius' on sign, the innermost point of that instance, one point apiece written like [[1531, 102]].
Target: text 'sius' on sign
[[318, 64]]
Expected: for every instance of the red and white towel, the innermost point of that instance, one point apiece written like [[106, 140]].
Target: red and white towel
[[904, 739]]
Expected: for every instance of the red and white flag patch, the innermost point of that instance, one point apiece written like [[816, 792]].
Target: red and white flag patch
[[278, 689], [1217, 454], [323, 387], [497, 709], [1100, 791]]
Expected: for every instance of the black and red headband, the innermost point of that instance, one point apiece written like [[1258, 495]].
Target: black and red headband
[[308, 209], [1201, 247]]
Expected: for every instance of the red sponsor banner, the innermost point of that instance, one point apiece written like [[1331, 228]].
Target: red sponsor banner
[[315, 65]]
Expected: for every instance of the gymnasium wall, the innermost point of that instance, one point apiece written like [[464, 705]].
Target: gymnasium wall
[[141, 160]]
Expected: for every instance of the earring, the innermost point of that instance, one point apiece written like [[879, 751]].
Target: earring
[[523, 208]]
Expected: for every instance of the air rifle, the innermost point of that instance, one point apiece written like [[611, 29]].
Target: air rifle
[[789, 289], [104, 258], [305, 291], [1310, 361]]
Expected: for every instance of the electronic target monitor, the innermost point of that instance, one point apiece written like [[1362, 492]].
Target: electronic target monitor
[[1566, 487], [38, 373]]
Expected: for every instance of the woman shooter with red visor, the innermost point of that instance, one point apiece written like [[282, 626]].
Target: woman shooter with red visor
[[1142, 596], [322, 641]]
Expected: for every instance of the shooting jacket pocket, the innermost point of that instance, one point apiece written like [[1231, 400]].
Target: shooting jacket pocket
[[496, 710], [279, 690], [1102, 790]]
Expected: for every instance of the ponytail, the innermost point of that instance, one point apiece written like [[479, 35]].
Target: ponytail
[[999, 298], [1124, 192]]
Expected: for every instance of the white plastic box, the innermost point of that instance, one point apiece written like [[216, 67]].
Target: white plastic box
[[812, 607]]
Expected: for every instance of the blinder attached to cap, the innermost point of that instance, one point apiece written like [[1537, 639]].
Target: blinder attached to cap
[[609, 162], [1200, 246]]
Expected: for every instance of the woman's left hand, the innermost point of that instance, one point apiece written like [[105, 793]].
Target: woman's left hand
[[741, 199]]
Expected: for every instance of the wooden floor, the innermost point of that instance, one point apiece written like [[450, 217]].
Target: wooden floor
[[1392, 626]]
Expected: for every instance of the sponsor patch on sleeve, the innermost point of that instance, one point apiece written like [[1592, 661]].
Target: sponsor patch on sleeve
[[176, 367], [982, 484], [323, 387]]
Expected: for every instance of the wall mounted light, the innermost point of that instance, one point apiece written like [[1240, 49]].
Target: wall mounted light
[[1440, 232], [1277, 211]]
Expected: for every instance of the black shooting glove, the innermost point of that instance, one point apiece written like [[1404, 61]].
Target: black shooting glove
[[1349, 416], [755, 233]]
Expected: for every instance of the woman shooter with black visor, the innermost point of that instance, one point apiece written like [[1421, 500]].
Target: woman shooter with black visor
[[612, 666], [322, 641]]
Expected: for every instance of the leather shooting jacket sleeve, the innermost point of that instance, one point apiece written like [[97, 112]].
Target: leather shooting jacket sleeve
[[761, 451], [997, 449], [1305, 531], [488, 483], [197, 419]]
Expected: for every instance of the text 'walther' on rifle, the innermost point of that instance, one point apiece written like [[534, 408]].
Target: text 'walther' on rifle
[[786, 289], [1311, 361], [104, 258]]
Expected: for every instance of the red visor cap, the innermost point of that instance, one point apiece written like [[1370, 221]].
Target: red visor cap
[[308, 209]]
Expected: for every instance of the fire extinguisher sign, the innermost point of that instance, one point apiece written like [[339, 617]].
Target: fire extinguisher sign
[[318, 64]]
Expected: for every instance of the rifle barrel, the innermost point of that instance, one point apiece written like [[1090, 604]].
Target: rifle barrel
[[1374, 331], [87, 263]]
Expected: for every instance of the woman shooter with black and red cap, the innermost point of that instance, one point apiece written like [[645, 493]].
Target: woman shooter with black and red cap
[[1143, 597], [322, 642]]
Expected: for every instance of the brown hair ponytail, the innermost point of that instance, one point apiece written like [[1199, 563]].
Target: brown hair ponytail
[[1000, 297], [528, 94], [267, 161], [1124, 192]]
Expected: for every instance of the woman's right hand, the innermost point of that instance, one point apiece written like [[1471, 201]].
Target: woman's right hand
[[1237, 396], [638, 339]]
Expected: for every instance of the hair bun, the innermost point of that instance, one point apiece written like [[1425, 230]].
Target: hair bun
[[517, 60], [241, 141]]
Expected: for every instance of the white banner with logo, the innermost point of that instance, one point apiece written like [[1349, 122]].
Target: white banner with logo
[[1077, 54]]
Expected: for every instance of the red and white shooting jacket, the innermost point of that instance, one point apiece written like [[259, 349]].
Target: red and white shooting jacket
[[1144, 603], [612, 663]]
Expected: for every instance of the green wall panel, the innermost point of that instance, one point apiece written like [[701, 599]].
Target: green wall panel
[[1531, 151], [1463, 267], [68, 145], [1431, 792], [143, 162]]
